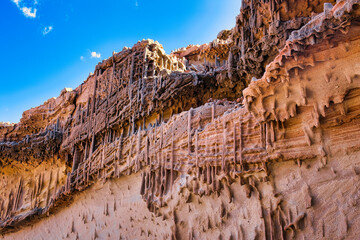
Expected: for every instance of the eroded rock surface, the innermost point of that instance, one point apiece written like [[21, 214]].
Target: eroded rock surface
[[253, 136]]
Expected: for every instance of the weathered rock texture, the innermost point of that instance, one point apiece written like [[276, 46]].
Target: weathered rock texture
[[142, 149]]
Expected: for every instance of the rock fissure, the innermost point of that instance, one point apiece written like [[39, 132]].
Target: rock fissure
[[252, 136]]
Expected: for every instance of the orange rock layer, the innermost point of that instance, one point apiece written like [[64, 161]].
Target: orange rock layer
[[142, 149]]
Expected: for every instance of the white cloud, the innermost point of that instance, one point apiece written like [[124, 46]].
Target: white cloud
[[16, 2], [82, 58], [27, 11], [47, 30], [95, 55]]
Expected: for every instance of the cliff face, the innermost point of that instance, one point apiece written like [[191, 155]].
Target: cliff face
[[252, 136]]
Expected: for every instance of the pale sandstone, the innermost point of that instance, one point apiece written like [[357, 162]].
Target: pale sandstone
[[153, 158]]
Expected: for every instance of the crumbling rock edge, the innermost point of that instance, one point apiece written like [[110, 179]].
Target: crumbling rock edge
[[184, 152]]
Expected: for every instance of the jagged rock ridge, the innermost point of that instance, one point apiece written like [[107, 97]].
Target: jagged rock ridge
[[169, 161]]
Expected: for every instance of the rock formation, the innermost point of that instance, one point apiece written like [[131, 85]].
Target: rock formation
[[252, 136]]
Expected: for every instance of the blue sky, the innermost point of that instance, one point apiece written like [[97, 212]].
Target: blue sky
[[46, 45]]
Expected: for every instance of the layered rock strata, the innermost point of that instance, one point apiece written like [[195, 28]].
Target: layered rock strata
[[154, 155]]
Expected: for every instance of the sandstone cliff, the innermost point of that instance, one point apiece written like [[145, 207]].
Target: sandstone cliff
[[252, 136]]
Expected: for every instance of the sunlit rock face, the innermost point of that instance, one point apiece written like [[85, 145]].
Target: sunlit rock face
[[252, 136]]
